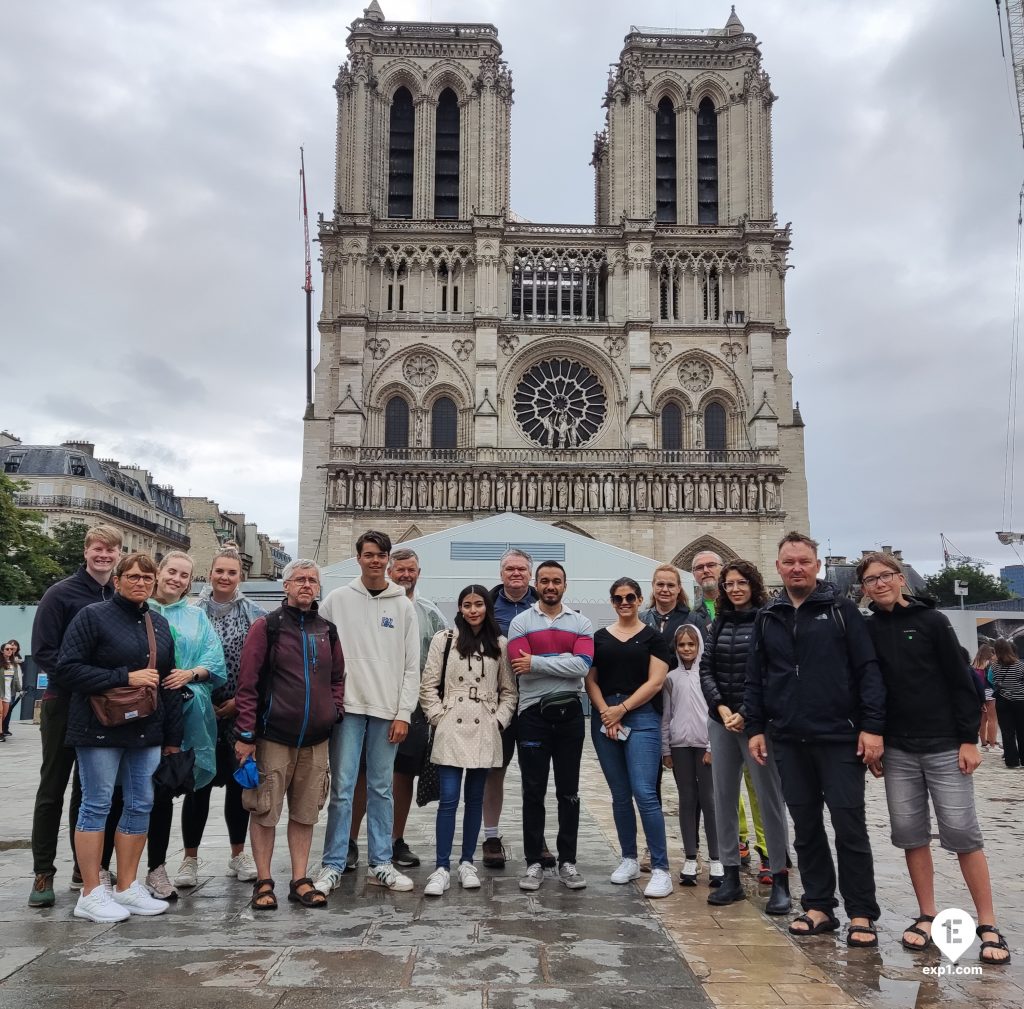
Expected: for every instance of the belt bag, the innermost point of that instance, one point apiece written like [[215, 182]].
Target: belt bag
[[123, 705], [558, 708]]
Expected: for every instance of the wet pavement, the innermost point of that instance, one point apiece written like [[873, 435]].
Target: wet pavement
[[496, 948]]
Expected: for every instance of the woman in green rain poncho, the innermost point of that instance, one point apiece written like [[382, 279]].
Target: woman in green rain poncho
[[199, 670]]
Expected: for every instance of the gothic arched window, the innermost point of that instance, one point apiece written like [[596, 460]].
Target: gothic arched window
[[400, 148], [671, 428], [707, 163], [665, 162], [714, 428], [396, 423], [444, 424], [446, 156]]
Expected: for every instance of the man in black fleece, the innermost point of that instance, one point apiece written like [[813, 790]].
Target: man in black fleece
[[814, 684], [931, 746]]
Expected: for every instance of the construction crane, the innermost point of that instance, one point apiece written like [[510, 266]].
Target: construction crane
[[308, 288], [952, 556], [1015, 33]]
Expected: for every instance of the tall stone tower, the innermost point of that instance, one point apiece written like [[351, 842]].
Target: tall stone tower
[[625, 379]]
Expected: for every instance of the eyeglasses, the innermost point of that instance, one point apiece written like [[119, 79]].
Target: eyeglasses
[[139, 579], [304, 581], [742, 584], [709, 566], [629, 597], [883, 579]]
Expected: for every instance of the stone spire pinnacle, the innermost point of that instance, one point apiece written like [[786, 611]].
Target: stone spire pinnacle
[[374, 13], [734, 26]]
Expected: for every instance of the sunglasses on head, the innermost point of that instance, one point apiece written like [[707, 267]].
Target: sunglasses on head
[[629, 597]]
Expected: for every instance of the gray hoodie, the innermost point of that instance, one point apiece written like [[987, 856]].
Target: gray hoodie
[[684, 713], [381, 640]]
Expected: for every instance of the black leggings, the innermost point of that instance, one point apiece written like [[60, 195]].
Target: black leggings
[[196, 811]]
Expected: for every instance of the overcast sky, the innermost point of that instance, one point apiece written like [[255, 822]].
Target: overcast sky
[[151, 247]]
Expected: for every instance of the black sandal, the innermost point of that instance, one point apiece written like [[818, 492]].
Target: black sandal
[[830, 924], [1001, 944], [914, 930], [868, 929], [263, 896], [311, 898]]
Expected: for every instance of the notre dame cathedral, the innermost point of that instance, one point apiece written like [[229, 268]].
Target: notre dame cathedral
[[625, 379]]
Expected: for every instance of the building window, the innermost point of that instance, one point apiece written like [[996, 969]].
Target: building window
[[712, 290], [558, 285], [672, 428], [446, 156], [707, 163], [400, 153], [714, 428], [665, 162], [668, 294], [13, 462], [444, 424], [396, 423]]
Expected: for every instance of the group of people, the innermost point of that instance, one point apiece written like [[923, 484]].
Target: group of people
[[344, 702]]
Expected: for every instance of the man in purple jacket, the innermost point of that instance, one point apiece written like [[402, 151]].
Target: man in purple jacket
[[291, 691]]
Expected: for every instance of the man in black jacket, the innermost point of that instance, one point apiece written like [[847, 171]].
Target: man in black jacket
[[814, 684], [58, 607]]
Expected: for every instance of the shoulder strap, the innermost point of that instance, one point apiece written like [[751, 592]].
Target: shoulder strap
[[151, 638], [444, 663], [274, 620]]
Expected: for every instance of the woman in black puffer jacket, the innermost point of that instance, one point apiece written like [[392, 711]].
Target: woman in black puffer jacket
[[723, 680]]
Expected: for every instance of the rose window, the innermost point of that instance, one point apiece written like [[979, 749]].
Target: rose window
[[560, 403]]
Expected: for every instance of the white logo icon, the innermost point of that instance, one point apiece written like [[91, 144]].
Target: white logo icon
[[953, 933]]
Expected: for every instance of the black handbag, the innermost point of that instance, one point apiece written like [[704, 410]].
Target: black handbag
[[428, 785]]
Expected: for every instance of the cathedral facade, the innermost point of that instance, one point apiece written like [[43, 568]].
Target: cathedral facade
[[625, 379]]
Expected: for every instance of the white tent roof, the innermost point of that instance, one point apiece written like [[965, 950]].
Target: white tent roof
[[461, 555]]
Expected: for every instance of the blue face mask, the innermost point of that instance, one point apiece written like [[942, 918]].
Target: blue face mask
[[248, 775]]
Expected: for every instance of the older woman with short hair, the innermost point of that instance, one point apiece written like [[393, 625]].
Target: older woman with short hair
[[115, 644]]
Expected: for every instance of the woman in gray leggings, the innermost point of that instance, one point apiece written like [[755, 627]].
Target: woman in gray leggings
[[723, 679]]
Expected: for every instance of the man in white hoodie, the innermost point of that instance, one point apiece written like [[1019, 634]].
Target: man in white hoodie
[[379, 632]]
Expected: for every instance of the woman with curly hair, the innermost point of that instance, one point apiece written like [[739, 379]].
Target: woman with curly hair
[[723, 668]]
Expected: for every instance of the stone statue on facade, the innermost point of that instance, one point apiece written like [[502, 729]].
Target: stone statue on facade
[[406, 492], [593, 493], [453, 493], [484, 493], [609, 492], [623, 493], [438, 492], [360, 491], [563, 493], [734, 495], [672, 495], [578, 493], [703, 496], [422, 492], [500, 492], [391, 492], [770, 495], [640, 494], [657, 493], [688, 504], [547, 492], [719, 495], [376, 491], [467, 492], [516, 493], [751, 495]]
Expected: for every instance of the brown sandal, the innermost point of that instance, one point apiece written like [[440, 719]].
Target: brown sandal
[[308, 898], [981, 930], [263, 896]]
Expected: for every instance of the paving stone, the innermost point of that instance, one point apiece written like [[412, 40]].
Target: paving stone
[[330, 966], [511, 963]]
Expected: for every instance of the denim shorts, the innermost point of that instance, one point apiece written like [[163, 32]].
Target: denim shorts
[[100, 769], [910, 779]]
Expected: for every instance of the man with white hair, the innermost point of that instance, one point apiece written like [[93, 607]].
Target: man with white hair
[[291, 692]]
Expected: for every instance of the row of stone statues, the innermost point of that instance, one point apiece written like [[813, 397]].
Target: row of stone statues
[[549, 492]]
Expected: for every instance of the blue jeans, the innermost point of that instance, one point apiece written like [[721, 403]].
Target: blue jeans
[[101, 768], [346, 749], [472, 814], [631, 770]]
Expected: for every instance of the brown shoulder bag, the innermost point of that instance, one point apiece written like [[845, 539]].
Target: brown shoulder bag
[[122, 705]]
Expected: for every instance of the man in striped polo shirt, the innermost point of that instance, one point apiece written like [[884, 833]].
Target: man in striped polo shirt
[[551, 648]]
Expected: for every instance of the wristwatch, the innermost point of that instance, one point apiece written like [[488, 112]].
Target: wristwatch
[[244, 737]]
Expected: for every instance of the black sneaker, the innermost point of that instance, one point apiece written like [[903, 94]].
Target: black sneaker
[[402, 855], [547, 860], [352, 858]]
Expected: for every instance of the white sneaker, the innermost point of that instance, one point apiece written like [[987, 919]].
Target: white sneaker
[[439, 881], [101, 907], [688, 873], [570, 877], [716, 873], [327, 880], [533, 877], [629, 869], [159, 885], [469, 879], [188, 872], [243, 867], [136, 901], [660, 884], [388, 876]]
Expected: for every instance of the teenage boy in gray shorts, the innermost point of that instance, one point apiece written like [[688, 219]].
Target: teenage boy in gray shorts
[[931, 733]]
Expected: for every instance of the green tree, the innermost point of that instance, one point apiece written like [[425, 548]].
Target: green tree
[[27, 564], [68, 543], [981, 586]]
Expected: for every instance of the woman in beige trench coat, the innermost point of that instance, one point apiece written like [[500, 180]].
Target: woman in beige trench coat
[[468, 694]]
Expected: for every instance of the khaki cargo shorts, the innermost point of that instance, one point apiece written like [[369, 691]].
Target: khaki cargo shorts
[[300, 773]]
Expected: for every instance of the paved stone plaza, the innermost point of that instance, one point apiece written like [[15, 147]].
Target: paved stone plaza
[[602, 947]]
